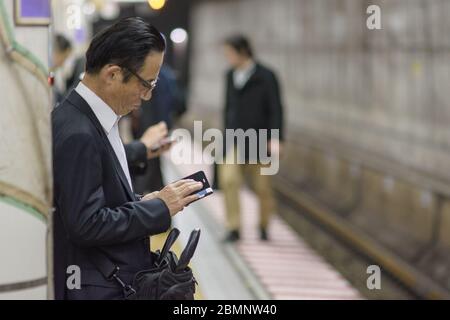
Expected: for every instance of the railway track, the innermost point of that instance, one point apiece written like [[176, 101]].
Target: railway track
[[351, 250]]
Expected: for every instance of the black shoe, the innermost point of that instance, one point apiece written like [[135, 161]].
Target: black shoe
[[263, 234], [232, 236]]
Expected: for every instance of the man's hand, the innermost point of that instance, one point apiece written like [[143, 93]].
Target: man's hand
[[152, 136], [163, 148], [176, 195], [150, 196]]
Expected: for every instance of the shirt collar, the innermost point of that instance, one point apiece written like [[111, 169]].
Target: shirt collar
[[105, 115], [248, 70], [241, 76]]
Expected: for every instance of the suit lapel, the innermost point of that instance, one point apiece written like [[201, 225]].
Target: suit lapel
[[84, 107]]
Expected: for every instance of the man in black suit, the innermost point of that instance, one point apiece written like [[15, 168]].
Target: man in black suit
[[96, 209]]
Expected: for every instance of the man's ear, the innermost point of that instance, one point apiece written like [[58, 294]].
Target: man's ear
[[111, 73]]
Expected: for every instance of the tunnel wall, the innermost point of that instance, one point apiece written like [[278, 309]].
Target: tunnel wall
[[25, 158], [382, 92]]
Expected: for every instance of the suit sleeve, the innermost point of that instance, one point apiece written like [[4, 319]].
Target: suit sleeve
[[136, 153], [80, 198], [275, 105]]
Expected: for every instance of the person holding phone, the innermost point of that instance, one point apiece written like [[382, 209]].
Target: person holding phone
[[96, 208]]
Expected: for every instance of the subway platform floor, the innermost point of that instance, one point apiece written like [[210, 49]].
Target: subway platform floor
[[284, 267]]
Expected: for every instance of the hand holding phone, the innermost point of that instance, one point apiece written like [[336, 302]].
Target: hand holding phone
[[154, 134], [206, 189], [181, 193], [164, 142], [178, 194]]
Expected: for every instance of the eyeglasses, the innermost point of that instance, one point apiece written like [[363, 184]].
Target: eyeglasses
[[149, 85]]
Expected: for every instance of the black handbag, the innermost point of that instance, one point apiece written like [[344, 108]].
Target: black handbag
[[169, 278]]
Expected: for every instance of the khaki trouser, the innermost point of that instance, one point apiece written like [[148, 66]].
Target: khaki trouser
[[230, 181]]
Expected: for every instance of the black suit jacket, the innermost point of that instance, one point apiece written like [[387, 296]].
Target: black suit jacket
[[257, 105], [95, 208]]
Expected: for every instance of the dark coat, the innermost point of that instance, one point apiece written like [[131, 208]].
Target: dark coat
[[136, 153], [257, 105], [95, 208]]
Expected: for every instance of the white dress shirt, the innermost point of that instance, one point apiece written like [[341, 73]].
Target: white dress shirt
[[241, 76], [110, 123]]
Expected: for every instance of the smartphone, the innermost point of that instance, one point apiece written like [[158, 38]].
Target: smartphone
[[163, 142], [206, 190]]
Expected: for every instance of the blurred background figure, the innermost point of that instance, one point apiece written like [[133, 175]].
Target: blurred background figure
[[252, 101], [166, 104], [62, 49], [77, 73]]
